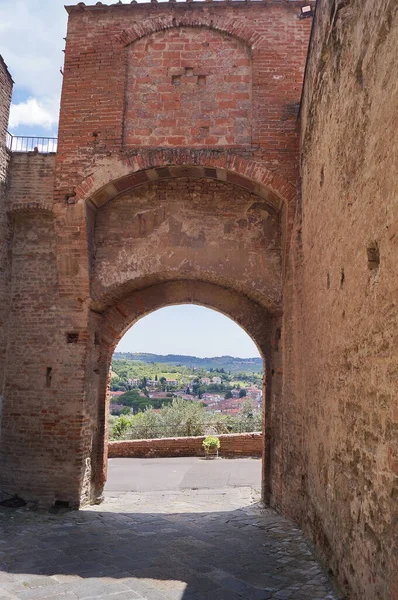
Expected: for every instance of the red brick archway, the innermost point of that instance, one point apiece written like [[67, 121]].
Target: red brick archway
[[118, 175], [262, 327], [233, 27]]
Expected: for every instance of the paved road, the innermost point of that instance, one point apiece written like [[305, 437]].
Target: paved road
[[169, 529], [206, 544], [169, 474]]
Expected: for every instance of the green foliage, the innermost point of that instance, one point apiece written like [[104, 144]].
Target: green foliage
[[248, 418], [129, 398], [138, 403], [128, 374], [120, 426], [242, 393], [211, 443], [183, 418]]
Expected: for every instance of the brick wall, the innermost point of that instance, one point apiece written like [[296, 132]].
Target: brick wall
[[36, 415], [232, 445], [221, 239], [6, 84], [346, 335], [5, 232], [97, 147], [103, 42], [31, 185], [198, 82]]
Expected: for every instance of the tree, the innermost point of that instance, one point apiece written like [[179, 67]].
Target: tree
[[120, 427], [131, 399], [228, 395], [242, 393]]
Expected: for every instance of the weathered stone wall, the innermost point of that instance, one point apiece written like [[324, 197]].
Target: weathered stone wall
[[231, 445], [5, 102], [349, 292]]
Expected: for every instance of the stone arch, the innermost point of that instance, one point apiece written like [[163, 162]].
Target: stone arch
[[122, 315], [114, 176], [233, 27], [113, 323]]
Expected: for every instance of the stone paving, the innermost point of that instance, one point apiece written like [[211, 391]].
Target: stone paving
[[186, 545]]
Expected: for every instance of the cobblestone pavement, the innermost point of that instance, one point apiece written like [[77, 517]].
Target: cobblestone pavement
[[187, 545]]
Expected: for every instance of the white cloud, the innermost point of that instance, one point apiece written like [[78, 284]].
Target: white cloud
[[43, 113], [31, 43]]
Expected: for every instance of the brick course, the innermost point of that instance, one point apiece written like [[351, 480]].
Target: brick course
[[231, 445]]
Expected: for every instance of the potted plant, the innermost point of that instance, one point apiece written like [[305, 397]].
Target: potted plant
[[211, 444]]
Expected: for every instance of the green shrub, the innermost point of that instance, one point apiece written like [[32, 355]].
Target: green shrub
[[211, 443]]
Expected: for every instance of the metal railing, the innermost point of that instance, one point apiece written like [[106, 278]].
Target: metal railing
[[19, 143]]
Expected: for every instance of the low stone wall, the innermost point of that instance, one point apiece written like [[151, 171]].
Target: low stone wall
[[234, 444]]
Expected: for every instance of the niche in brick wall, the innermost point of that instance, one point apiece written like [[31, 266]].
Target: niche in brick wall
[[185, 82]]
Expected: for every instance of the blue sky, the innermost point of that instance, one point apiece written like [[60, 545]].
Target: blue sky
[[188, 329], [31, 43]]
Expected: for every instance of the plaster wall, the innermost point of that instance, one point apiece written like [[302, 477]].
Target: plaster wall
[[201, 229]]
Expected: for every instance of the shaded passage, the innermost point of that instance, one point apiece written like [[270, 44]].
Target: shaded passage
[[191, 544]]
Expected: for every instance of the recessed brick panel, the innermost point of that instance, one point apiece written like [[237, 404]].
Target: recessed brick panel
[[188, 86]]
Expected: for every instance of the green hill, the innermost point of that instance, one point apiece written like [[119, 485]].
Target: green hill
[[228, 363]]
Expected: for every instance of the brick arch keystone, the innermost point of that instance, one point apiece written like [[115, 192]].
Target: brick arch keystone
[[232, 27], [115, 176]]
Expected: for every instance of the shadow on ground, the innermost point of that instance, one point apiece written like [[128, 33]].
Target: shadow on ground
[[247, 552]]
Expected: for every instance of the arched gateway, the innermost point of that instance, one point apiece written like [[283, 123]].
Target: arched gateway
[[174, 182], [176, 234], [176, 179]]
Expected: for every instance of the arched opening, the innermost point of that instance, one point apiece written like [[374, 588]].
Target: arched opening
[[118, 319], [165, 229], [181, 375]]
